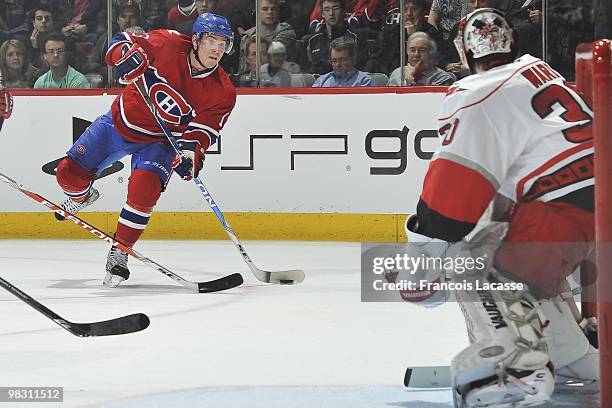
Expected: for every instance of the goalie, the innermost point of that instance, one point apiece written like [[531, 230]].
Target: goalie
[[518, 130]]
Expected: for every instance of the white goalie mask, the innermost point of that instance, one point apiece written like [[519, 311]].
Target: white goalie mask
[[483, 32]]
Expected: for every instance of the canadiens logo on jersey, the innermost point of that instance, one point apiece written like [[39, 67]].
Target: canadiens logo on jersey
[[170, 105]]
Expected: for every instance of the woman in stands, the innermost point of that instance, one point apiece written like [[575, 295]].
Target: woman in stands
[[15, 65]]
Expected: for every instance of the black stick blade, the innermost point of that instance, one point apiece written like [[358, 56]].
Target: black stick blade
[[226, 282], [121, 325]]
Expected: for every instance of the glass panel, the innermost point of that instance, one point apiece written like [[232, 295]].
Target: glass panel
[[295, 37], [569, 23]]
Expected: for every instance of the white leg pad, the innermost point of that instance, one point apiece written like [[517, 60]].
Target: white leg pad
[[572, 355], [507, 361]]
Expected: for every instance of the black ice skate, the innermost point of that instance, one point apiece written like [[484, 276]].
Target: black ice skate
[[74, 207], [116, 268]]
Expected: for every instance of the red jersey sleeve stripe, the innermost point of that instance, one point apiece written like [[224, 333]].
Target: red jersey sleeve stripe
[[456, 191]]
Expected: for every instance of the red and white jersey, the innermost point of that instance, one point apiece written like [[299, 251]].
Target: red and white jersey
[[519, 129], [194, 106]]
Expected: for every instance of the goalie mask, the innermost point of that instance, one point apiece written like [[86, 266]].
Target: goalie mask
[[483, 32]]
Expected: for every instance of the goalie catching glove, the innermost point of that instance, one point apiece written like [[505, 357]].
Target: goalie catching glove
[[189, 164]]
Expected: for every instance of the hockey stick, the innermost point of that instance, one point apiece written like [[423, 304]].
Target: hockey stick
[[288, 277], [226, 282], [428, 377], [121, 325]]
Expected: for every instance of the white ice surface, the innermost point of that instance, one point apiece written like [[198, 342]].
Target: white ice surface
[[310, 345]]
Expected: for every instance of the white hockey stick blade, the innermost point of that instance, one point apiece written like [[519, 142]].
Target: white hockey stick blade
[[428, 377], [289, 277]]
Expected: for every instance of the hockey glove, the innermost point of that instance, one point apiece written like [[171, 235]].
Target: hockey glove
[[6, 103], [188, 166], [132, 64]]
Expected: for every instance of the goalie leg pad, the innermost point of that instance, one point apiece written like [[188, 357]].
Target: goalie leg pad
[[507, 360], [570, 351]]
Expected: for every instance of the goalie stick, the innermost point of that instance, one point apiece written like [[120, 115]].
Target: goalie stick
[[226, 282], [121, 325], [283, 277]]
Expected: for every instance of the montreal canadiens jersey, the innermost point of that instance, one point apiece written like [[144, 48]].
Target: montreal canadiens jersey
[[519, 130], [193, 106]]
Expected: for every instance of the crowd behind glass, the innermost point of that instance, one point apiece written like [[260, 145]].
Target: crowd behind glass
[[302, 43]]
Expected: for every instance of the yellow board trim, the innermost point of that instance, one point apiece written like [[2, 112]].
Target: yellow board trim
[[199, 225]]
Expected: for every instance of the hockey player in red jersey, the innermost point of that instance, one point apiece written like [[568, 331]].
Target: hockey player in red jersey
[[194, 98], [515, 129]]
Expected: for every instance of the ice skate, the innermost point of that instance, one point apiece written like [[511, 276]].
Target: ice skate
[[74, 207], [116, 268]]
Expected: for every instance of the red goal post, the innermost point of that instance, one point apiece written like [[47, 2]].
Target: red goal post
[[594, 78]]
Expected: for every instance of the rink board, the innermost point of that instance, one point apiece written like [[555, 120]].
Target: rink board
[[307, 166]]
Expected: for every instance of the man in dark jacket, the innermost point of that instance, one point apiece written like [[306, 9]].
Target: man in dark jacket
[[317, 45]]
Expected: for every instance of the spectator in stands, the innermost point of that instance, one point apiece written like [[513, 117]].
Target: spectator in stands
[[60, 74], [15, 65], [389, 37], [42, 22], [360, 13], [154, 12], [297, 14], [421, 68], [183, 14], [526, 23], [277, 72], [277, 55], [444, 14], [343, 61], [271, 29], [13, 22], [128, 15], [75, 29], [602, 13], [248, 77], [569, 21], [317, 45], [449, 53]]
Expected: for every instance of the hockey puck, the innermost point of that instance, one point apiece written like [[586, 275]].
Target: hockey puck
[[286, 281]]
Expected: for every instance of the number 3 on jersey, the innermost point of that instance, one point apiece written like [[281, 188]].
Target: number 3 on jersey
[[543, 104]]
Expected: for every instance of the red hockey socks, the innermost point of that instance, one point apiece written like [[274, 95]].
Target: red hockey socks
[[74, 179], [144, 189]]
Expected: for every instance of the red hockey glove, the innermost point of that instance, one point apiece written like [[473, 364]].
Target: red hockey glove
[[188, 166], [6, 103], [131, 65]]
